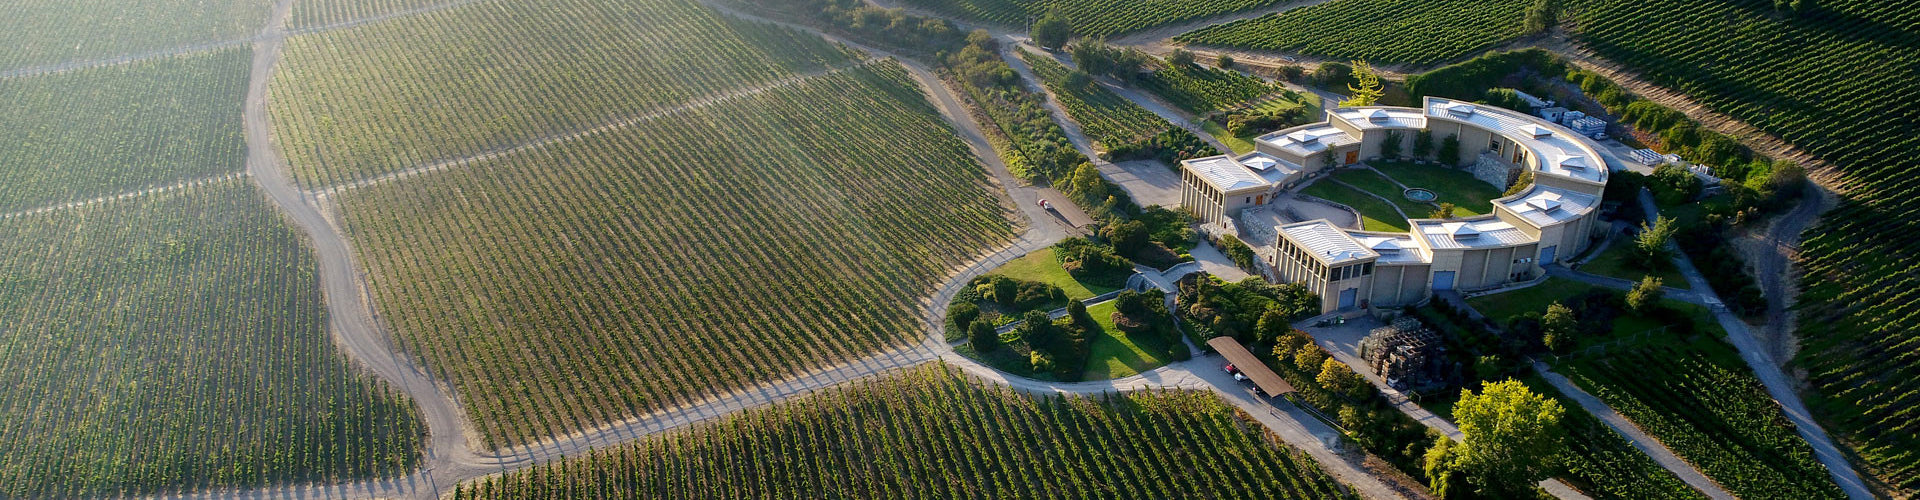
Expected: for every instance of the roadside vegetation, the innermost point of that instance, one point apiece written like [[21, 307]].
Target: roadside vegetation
[[1034, 147], [103, 131], [1122, 129], [933, 433], [177, 342], [674, 258]]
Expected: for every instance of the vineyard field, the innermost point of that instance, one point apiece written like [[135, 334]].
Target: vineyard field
[[95, 132], [1603, 464], [1839, 81], [931, 433], [43, 32], [1109, 119], [323, 13], [1384, 31], [1201, 90], [359, 102], [1091, 18], [177, 342], [1709, 411], [597, 278]]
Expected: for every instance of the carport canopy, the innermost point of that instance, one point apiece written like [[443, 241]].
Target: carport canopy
[[1244, 360]]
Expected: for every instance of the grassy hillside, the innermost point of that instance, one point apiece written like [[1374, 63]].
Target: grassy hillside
[[930, 433]]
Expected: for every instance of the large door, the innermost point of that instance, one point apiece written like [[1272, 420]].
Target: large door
[[1443, 280], [1348, 296], [1546, 255], [1353, 157]]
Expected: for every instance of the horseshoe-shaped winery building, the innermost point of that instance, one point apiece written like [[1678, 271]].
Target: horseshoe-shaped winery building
[[1546, 222]]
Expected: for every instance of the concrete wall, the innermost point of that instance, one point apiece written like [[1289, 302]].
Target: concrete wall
[[1398, 285]]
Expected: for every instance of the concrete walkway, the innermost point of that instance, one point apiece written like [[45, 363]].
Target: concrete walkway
[[1653, 448]]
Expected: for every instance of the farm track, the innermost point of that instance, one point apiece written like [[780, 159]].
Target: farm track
[[192, 183]]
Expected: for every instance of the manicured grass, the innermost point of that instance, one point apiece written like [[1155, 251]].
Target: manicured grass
[[1239, 145], [1375, 215], [1372, 182], [1470, 196], [1113, 353], [1501, 306], [1615, 262], [1044, 266]]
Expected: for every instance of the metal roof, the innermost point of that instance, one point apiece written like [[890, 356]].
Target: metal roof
[[1483, 232], [1251, 366], [1382, 117], [1308, 139], [1326, 242], [1549, 142], [1224, 173], [1546, 205], [1397, 248]]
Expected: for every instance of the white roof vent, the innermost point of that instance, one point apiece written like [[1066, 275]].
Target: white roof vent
[[1261, 163], [1464, 231], [1574, 163], [1385, 246], [1544, 204], [1461, 110], [1377, 116], [1537, 131], [1303, 137]]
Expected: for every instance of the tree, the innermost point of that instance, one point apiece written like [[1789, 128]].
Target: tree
[[1005, 290], [1450, 149], [1338, 377], [1445, 211], [1331, 73], [1052, 31], [1037, 329], [1128, 238], [1309, 357], [1540, 17], [983, 337], [1224, 61], [961, 315], [1443, 475], [1272, 325], [1645, 296], [1077, 312], [1422, 143], [1507, 98], [1511, 438], [1390, 144], [1558, 328], [1180, 58], [1519, 183], [1650, 246], [1367, 89]]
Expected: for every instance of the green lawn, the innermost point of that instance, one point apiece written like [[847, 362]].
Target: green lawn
[[1239, 145], [1614, 262], [1044, 267], [1470, 195], [1375, 215], [1372, 182], [1501, 306], [1114, 354]]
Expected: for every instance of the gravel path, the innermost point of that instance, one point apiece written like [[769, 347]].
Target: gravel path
[[1627, 430]]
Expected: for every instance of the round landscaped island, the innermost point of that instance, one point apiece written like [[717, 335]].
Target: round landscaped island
[[1420, 195]]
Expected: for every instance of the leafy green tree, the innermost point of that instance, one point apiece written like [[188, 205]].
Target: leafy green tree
[[1224, 61], [1052, 31], [1442, 470], [960, 315], [1645, 296], [1650, 246], [1540, 17], [1506, 98], [1038, 330], [1128, 238], [1309, 357], [1338, 377], [1511, 438], [1390, 144], [1077, 312], [1444, 211], [1180, 58], [1273, 324], [1006, 291], [983, 337], [1422, 143], [1367, 88], [1558, 328], [1450, 149]]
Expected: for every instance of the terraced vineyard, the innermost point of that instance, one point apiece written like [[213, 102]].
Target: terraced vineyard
[[356, 103], [88, 133], [1385, 31], [1114, 123], [176, 342], [592, 279], [1603, 464], [1716, 417], [1092, 18], [42, 32], [930, 433], [1839, 81]]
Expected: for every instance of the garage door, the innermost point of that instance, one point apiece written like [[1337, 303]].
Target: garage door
[[1443, 280], [1546, 256], [1348, 296]]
